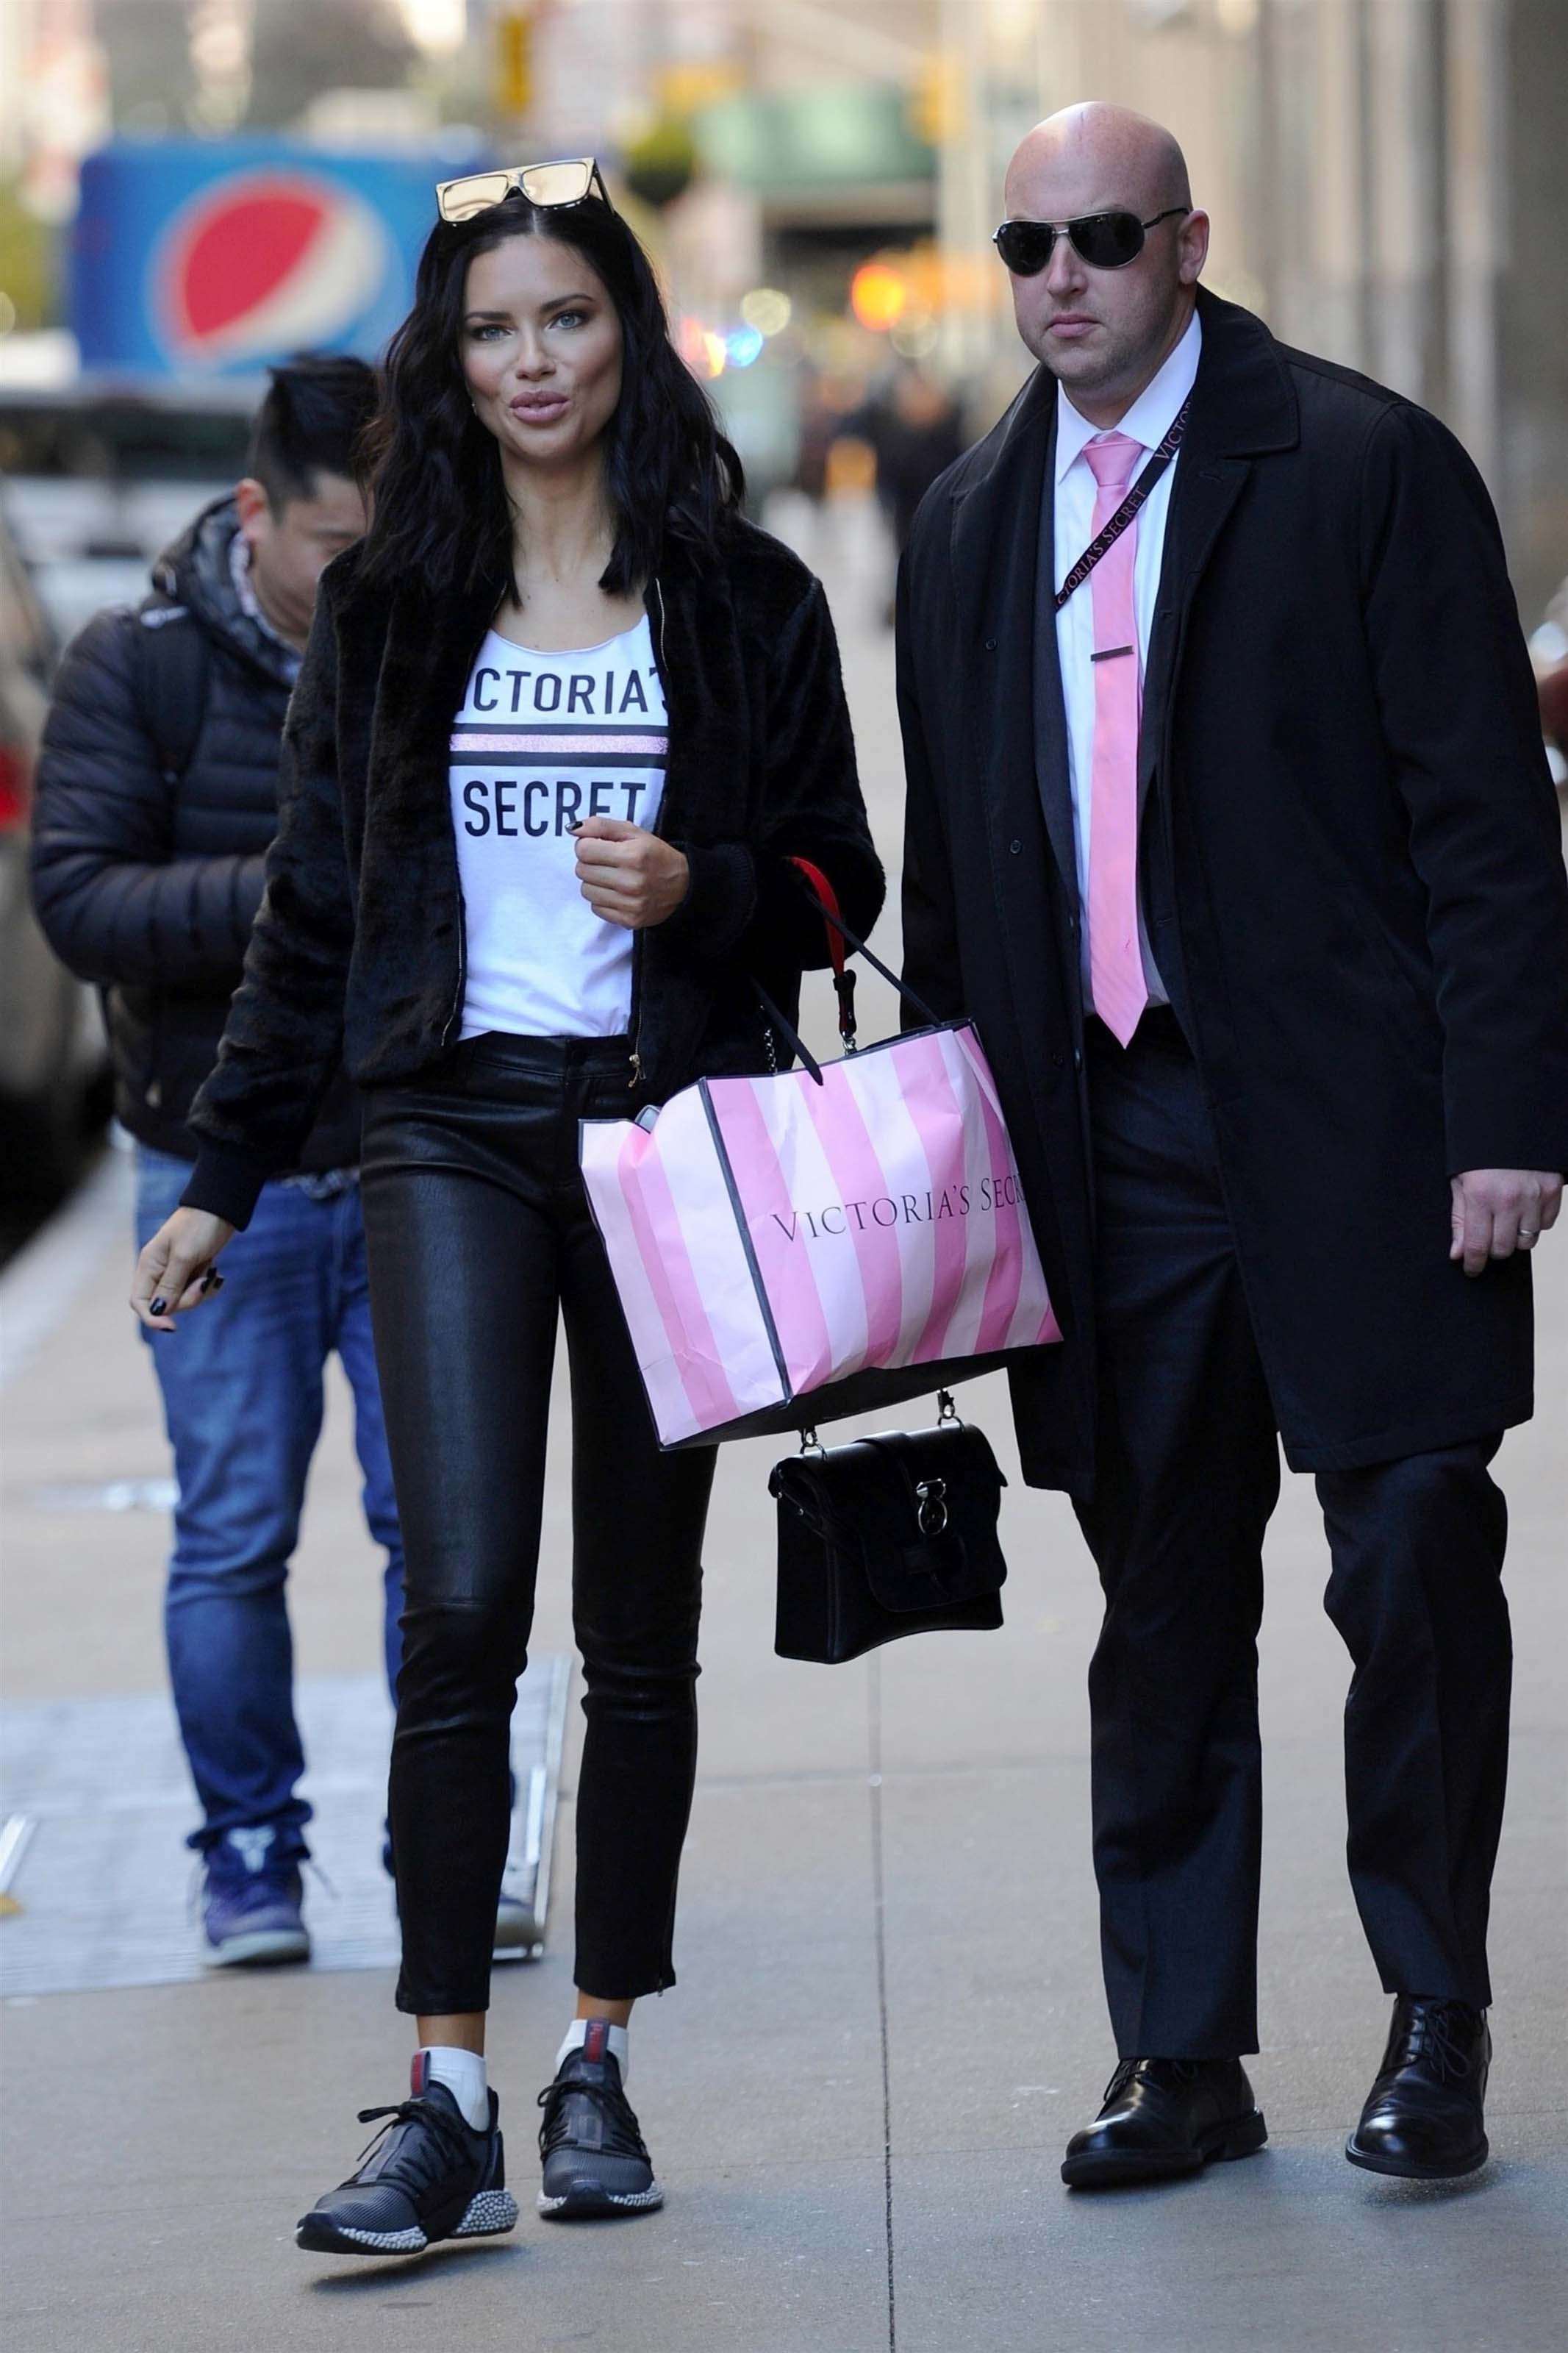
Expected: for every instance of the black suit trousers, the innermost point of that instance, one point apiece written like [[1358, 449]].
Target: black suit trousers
[[1189, 1475]]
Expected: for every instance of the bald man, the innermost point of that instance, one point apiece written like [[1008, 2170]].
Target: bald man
[[1230, 824]]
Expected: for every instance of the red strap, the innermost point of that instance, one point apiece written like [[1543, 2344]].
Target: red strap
[[829, 898]]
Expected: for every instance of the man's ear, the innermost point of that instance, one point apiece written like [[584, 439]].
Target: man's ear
[[253, 507], [1194, 248]]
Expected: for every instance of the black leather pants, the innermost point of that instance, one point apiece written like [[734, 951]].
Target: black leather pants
[[479, 1234]]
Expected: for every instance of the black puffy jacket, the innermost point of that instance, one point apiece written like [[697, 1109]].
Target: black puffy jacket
[[147, 881]]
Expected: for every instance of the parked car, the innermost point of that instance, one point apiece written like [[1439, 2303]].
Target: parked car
[[99, 478], [54, 1064]]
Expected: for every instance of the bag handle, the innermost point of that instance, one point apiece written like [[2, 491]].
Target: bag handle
[[843, 978], [840, 938], [827, 908], [790, 1037], [833, 922]]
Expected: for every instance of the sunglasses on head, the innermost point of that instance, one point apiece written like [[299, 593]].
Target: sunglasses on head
[[1105, 240], [548, 185]]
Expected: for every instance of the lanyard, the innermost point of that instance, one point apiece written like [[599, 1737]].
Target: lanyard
[[1127, 511]]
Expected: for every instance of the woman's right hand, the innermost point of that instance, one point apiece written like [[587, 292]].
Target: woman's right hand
[[176, 1270]]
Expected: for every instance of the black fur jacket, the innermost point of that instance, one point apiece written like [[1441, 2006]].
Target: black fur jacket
[[358, 946]]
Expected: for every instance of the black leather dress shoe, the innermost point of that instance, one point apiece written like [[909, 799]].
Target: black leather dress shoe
[[1164, 2117], [1422, 2118]]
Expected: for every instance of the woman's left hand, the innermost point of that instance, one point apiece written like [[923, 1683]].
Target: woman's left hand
[[629, 875]]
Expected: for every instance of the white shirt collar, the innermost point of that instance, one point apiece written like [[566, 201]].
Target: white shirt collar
[[1151, 415]]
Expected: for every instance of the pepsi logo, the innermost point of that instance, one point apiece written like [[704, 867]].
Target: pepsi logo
[[262, 263]]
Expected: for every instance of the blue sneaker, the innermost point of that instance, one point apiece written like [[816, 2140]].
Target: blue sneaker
[[250, 1911], [516, 1928]]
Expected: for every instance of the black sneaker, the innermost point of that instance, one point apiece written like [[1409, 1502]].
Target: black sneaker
[[426, 2175], [595, 2160]]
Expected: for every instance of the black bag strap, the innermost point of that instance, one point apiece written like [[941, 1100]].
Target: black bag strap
[[174, 664], [1102, 543], [791, 1036]]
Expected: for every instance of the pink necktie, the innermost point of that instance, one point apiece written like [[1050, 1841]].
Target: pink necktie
[[1115, 960]]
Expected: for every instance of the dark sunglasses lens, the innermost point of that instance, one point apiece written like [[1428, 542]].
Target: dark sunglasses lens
[[1025, 245], [1109, 240]]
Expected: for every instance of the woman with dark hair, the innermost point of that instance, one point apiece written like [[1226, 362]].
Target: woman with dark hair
[[564, 719]]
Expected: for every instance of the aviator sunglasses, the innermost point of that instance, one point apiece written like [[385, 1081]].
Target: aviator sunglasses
[[548, 185], [1105, 240]]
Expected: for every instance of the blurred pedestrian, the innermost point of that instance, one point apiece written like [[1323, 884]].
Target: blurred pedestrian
[[564, 717], [915, 429], [914, 432], [157, 798], [825, 404], [1229, 822]]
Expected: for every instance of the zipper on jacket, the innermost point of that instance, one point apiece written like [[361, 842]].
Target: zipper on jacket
[[455, 1016], [636, 1079]]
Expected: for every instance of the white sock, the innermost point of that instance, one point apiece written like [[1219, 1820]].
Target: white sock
[[577, 2034], [463, 2074]]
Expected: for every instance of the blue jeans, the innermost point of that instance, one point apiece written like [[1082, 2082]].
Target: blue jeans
[[242, 1384]]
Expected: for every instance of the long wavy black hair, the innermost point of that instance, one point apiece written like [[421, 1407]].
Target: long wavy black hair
[[439, 512]]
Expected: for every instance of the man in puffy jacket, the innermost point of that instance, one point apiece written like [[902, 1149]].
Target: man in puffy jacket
[[157, 799]]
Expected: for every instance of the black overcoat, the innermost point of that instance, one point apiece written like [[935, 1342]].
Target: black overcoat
[[1364, 889]]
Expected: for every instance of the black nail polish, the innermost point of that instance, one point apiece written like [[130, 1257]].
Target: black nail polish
[[160, 1307]]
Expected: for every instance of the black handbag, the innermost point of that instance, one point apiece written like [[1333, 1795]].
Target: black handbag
[[886, 1535]]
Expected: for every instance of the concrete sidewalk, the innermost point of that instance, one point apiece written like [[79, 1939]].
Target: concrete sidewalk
[[889, 2017]]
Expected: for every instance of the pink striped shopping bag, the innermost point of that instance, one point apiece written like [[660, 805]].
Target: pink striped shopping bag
[[820, 1241]]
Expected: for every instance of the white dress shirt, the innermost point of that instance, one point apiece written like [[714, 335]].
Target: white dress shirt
[[1148, 420]]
